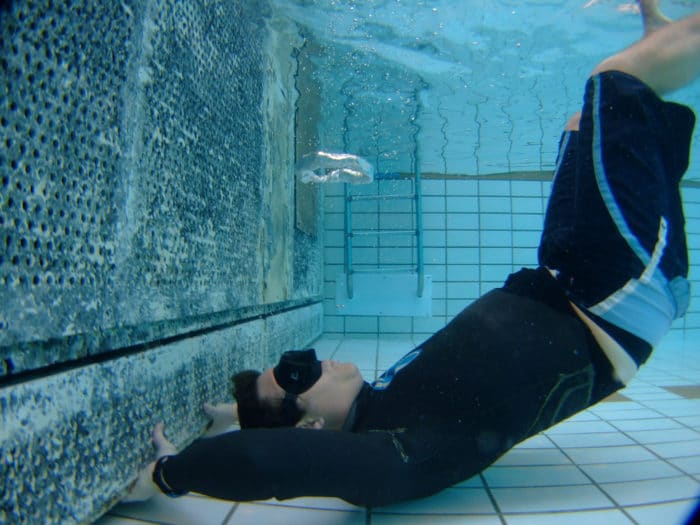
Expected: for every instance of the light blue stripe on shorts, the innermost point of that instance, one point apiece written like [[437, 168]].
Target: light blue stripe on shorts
[[647, 305]]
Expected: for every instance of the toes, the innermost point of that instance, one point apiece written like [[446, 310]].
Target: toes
[[158, 433]]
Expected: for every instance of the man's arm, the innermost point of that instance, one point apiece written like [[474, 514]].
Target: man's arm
[[223, 417], [258, 464]]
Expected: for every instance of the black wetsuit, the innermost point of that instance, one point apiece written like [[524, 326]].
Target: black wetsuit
[[438, 416], [519, 359]]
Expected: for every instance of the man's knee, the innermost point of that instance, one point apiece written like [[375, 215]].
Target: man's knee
[[573, 123]]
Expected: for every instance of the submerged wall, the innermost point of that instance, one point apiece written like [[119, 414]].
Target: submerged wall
[[147, 239], [476, 231]]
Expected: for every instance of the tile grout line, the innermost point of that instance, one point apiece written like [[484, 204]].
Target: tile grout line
[[652, 452], [491, 496], [648, 449], [230, 513], [337, 346], [376, 359], [593, 481]]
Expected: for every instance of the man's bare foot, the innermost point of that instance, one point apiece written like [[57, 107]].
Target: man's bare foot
[[223, 415], [652, 17]]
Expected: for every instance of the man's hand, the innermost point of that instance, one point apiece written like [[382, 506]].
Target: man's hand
[[315, 423], [223, 415], [143, 488]]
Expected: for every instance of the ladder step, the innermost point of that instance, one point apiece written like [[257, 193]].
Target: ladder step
[[382, 197], [386, 269], [360, 233]]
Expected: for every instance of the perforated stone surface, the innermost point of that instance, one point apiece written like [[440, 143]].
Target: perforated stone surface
[[134, 185], [141, 211], [60, 158], [71, 443]]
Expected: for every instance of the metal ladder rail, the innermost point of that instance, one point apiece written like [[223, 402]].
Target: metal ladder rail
[[418, 190], [417, 197]]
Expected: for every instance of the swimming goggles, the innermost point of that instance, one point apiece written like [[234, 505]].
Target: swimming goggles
[[297, 371]]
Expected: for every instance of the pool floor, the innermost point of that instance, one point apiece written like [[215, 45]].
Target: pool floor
[[634, 458]]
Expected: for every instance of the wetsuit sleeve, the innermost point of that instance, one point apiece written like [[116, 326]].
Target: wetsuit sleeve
[[258, 464]]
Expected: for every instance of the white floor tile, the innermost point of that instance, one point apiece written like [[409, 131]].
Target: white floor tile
[[690, 420], [391, 353], [535, 476], [427, 519], [639, 387], [658, 423], [581, 427], [364, 361], [357, 345], [587, 456], [600, 439], [585, 416], [538, 441], [115, 520], [472, 483], [675, 513], [254, 514], [549, 499], [606, 517], [418, 519], [315, 503], [623, 415], [678, 407], [449, 501], [654, 491], [326, 347], [665, 436], [615, 407], [533, 456], [688, 465], [652, 396], [187, 510], [677, 450], [637, 471]]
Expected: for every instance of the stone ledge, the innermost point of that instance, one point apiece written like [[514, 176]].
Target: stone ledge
[[72, 442]]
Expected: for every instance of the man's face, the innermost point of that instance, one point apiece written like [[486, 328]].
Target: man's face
[[330, 397]]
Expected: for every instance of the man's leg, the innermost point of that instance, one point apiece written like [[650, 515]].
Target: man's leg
[[652, 17], [615, 213], [667, 58]]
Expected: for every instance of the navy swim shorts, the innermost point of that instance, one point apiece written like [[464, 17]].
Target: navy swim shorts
[[614, 228]]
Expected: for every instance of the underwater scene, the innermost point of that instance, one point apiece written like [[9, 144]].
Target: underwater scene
[[350, 262]]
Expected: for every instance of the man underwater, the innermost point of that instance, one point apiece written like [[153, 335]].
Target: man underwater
[[549, 343]]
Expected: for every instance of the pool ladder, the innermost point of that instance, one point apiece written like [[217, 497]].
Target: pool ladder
[[351, 233]]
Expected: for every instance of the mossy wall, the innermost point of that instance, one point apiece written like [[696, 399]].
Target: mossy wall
[[148, 246]]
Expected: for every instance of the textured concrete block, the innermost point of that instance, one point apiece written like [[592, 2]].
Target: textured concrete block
[[147, 171], [71, 443], [147, 239]]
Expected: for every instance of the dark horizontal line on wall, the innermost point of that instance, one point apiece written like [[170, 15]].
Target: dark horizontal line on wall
[[509, 175], [106, 345]]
